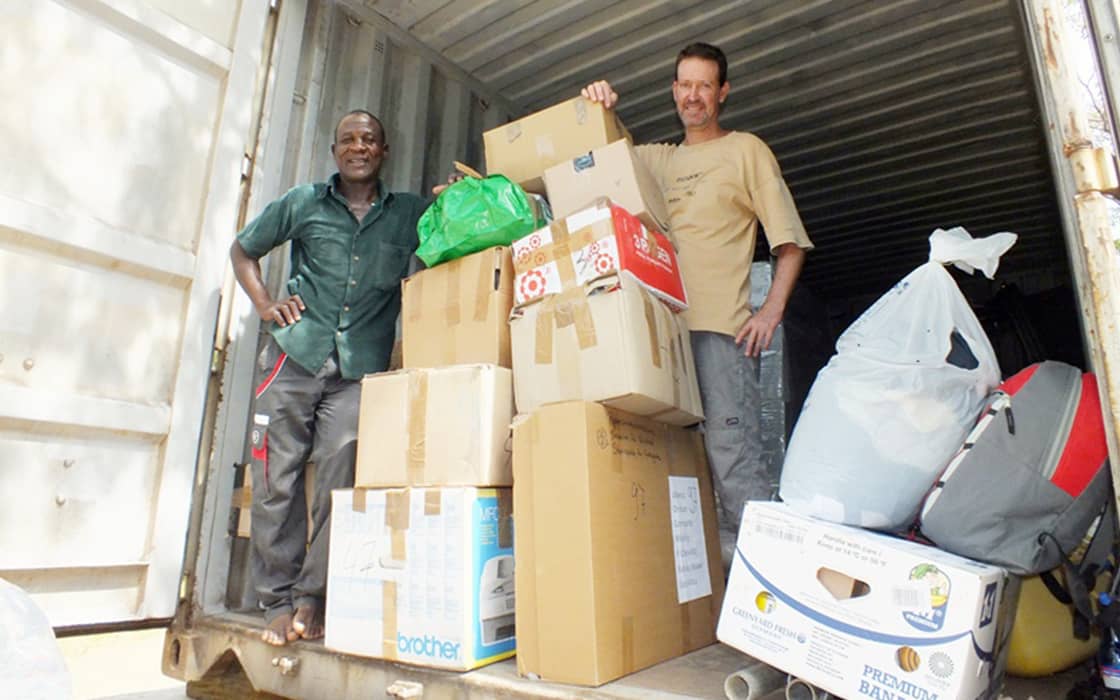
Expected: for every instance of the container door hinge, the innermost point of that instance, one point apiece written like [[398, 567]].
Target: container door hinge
[[1094, 170]]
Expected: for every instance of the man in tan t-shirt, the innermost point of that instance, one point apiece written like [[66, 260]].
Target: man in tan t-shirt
[[718, 186]]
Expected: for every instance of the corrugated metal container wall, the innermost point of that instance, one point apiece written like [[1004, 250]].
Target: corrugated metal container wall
[[433, 114]]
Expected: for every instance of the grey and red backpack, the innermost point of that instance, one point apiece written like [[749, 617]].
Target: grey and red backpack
[[1031, 485]]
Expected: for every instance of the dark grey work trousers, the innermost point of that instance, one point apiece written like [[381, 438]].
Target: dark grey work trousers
[[729, 392], [298, 417]]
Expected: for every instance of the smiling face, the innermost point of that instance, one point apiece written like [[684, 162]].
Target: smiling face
[[359, 148], [698, 93]]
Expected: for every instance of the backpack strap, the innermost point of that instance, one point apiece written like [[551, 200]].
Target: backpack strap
[[1080, 579]]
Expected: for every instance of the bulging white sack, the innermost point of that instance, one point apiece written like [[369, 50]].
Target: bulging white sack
[[31, 663], [895, 402]]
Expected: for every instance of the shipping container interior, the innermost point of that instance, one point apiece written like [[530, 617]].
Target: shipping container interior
[[889, 118]]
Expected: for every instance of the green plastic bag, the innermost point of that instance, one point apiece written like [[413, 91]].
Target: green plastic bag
[[475, 214]]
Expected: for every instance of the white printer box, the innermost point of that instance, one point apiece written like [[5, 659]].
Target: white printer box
[[865, 615], [422, 575]]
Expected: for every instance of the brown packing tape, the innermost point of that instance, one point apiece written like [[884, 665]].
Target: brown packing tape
[[397, 502], [564, 242], [489, 267], [564, 266], [651, 327], [451, 306], [416, 295], [417, 425], [433, 501], [558, 230], [581, 111], [398, 545], [389, 619], [627, 645], [358, 503], [542, 354], [585, 324], [396, 509]]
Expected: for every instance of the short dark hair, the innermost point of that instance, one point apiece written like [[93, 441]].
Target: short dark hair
[[708, 52], [351, 113]]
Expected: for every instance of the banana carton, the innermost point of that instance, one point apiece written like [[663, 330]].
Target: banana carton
[[865, 615]]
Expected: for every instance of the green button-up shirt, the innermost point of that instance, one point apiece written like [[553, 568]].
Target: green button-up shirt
[[347, 272]]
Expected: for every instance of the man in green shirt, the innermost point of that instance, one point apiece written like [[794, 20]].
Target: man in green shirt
[[351, 244]]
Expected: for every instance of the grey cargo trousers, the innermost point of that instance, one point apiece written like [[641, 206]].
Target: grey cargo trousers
[[298, 417], [729, 392]]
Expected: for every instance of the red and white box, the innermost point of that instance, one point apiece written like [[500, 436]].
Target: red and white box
[[600, 240]]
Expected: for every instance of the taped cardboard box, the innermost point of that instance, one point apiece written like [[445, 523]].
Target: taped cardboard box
[[447, 426], [861, 614], [457, 312], [599, 240], [617, 549], [522, 150], [423, 576], [610, 341], [612, 171]]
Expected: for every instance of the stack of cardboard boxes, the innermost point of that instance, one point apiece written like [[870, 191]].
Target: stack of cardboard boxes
[[616, 550], [421, 560]]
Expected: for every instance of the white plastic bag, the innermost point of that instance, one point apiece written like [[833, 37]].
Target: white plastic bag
[[894, 403], [31, 664]]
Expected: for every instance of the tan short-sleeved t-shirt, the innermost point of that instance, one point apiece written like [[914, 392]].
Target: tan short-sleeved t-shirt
[[717, 192]]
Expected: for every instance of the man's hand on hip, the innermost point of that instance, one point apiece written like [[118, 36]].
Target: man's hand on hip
[[758, 331], [283, 312]]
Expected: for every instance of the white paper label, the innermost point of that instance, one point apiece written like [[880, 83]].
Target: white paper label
[[689, 549]]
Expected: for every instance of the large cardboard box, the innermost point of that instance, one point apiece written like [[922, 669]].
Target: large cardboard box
[[618, 563], [610, 341], [457, 312], [599, 240], [422, 575], [611, 171], [861, 614], [435, 427], [522, 150]]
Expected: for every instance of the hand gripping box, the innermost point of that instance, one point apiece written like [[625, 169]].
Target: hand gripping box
[[447, 426], [618, 564], [456, 312], [612, 171], [423, 576], [523, 149], [609, 341], [599, 240], [865, 615]]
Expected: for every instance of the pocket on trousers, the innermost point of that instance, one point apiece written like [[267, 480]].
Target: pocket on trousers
[[258, 451]]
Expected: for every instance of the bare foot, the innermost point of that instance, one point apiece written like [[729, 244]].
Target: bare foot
[[308, 621], [280, 631]]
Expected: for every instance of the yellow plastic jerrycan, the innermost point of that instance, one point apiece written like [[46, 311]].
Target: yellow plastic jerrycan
[[1042, 640]]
